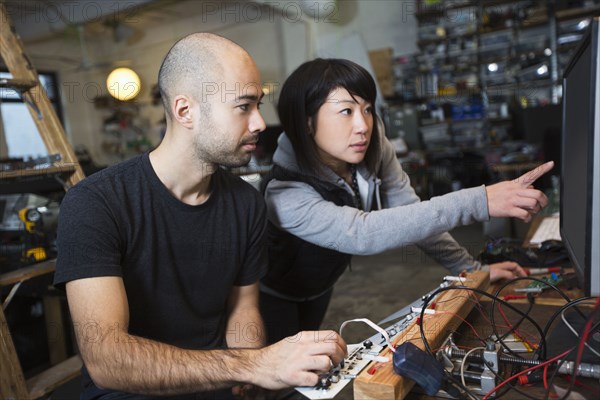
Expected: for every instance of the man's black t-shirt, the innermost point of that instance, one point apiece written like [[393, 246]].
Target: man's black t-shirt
[[178, 262]]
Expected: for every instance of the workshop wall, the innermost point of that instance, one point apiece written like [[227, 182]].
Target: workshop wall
[[278, 39]]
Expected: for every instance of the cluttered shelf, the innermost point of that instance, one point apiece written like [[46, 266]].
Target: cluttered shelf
[[496, 62]]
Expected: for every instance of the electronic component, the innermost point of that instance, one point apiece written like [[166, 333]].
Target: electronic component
[[413, 363], [332, 382], [360, 355]]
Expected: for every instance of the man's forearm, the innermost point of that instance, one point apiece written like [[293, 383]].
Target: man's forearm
[[137, 365]]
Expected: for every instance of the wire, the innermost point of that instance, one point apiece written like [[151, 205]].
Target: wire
[[463, 320], [547, 393], [541, 348], [570, 304], [568, 325], [582, 340], [464, 361], [479, 291], [372, 325], [518, 334], [580, 346], [500, 338], [433, 294], [508, 388], [487, 396]]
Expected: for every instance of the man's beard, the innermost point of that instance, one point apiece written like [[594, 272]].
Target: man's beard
[[218, 153]]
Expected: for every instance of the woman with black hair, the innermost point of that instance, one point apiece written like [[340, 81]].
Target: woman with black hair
[[337, 189]]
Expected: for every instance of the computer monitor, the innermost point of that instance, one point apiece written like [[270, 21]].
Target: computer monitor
[[580, 172]]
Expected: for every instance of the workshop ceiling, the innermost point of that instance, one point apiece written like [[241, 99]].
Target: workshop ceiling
[[39, 20]]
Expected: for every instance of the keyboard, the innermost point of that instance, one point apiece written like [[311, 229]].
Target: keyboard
[[549, 229]]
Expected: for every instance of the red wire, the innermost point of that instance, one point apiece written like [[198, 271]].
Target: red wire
[[584, 335], [516, 331], [487, 396], [545, 375], [462, 319]]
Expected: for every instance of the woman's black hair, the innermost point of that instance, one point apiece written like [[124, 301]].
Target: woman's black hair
[[303, 94]]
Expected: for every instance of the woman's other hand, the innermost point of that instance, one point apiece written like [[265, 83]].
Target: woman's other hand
[[506, 270]]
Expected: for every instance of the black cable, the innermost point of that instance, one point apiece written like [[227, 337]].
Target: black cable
[[479, 291], [581, 344], [577, 361], [553, 376], [573, 377], [564, 307], [497, 293], [530, 301]]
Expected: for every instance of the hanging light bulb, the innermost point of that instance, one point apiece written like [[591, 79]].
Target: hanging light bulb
[[123, 84]]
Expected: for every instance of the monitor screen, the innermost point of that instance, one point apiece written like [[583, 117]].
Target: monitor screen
[[580, 177]]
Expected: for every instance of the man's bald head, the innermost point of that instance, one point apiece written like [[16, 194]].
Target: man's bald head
[[194, 63]]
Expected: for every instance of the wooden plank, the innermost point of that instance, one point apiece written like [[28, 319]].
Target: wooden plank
[[22, 274], [33, 172], [451, 309], [39, 105], [46, 382], [19, 84], [12, 382]]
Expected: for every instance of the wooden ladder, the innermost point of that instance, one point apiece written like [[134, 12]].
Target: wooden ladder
[[25, 81]]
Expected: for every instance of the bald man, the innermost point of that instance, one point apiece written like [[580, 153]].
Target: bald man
[[160, 255]]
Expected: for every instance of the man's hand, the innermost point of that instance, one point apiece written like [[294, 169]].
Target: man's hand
[[518, 198], [506, 270], [296, 360]]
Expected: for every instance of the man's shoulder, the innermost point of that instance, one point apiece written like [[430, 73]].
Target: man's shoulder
[[118, 171], [107, 181]]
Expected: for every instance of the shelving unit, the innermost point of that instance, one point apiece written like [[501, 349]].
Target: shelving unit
[[65, 167], [492, 54], [481, 66]]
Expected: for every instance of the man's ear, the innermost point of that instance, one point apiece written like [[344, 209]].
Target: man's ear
[[183, 110]]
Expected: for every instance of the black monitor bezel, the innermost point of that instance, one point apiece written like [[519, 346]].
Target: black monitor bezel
[[583, 272]]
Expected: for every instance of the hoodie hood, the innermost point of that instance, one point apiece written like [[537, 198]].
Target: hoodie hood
[[284, 154]]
